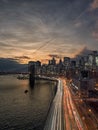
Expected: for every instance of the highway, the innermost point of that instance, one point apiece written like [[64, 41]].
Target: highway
[[55, 117], [87, 115], [78, 114], [72, 118]]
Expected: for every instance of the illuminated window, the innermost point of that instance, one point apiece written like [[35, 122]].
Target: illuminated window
[[97, 60]]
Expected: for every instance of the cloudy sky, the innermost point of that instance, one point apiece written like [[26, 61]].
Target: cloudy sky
[[37, 29]]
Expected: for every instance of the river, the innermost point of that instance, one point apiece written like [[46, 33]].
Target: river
[[20, 110]]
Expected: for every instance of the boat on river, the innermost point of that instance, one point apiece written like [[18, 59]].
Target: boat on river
[[22, 77]]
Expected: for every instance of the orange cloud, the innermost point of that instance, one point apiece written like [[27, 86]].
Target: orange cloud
[[94, 5]]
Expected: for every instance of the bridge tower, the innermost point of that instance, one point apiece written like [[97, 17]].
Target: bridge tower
[[31, 69]]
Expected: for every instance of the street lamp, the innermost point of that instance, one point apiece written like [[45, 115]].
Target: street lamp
[[89, 110]]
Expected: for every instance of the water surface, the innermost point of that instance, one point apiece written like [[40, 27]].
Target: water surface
[[24, 111]]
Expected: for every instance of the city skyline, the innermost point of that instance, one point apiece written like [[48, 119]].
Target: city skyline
[[38, 30]]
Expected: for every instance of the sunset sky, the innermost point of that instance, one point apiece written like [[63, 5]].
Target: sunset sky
[[38, 29]]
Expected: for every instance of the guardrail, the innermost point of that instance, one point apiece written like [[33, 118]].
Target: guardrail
[[55, 119]]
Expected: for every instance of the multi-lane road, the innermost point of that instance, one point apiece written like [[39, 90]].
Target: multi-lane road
[[72, 118], [78, 115], [55, 116]]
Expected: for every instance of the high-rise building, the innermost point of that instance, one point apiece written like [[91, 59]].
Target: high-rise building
[[52, 62], [60, 62], [66, 61], [73, 63]]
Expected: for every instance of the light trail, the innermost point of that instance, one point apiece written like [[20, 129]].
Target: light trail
[[73, 111], [75, 120], [84, 116], [54, 120]]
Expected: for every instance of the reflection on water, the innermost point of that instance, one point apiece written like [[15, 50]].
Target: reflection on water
[[31, 84], [20, 110]]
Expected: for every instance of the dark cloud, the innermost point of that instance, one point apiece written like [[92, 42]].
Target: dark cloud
[[54, 55], [10, 65], [25, 26], [22, 57], [85, 51], [94, 5], [95, 34], [3, 44]]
